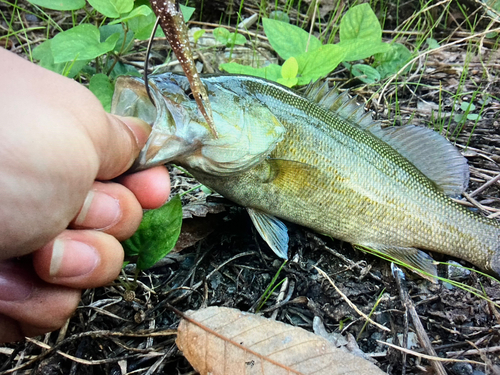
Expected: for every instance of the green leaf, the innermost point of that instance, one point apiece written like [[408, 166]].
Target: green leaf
[[187, 12], [271, 72], [473, 117], [279, 15], [365, 73], [360, 22], [237, 39], [221, 35], [122, 69], [142, 24], [289, 72], [361, 49], [466, 106], [142, 10], [59, 4], [198, 34], [288, 82], [392, 61], [81, 43], [107, 30], [360, 33], [290, 68], [432, 43], [319, 63], [157, 234], [43, 52], [289, 40], [103, 89], [112, 8]]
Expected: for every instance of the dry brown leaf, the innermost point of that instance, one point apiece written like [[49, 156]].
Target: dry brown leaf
[[196, 229], [224, 341]]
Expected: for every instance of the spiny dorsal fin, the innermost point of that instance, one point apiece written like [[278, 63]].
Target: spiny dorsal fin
[[427, 150]]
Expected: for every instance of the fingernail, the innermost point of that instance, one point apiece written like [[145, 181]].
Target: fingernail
[[15, 285], [99, 211], [72, 258]]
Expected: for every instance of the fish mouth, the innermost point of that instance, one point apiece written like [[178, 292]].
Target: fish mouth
[[163, 145]]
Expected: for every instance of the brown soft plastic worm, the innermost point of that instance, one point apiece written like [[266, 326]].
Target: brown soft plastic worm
[[172, 23]]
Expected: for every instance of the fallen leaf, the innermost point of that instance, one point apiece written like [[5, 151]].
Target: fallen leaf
[[224, 341], [196, 229]]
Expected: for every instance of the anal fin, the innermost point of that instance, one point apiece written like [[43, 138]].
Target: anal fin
[[272, 230], [419, 261]]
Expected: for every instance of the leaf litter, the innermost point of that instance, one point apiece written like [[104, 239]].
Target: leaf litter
[[126, 327]]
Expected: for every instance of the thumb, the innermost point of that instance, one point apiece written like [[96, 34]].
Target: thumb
[[118, 149]]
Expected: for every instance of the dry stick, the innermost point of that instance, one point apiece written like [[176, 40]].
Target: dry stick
[[485, 185], [397, 273], [474, 351], [172, 23], [351, 305], [429, 357], [421, 334]]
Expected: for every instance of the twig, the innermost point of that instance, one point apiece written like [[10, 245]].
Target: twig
[[429, 357], [351, 305], [474, 351], [423, 338]]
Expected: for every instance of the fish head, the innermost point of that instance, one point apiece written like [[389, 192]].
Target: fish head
[[247, 129]]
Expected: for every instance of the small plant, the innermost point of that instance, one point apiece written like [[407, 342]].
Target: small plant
[[270, 288], [360, 37], [227, 38]]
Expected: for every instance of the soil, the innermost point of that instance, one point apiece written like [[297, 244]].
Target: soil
[[129, 327]]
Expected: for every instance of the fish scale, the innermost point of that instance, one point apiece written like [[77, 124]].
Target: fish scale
[[330, 171]]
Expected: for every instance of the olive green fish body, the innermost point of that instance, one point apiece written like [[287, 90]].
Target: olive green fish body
[[327, 173]]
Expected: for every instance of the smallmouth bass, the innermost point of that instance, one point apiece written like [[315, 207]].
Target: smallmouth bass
[[319, 161]]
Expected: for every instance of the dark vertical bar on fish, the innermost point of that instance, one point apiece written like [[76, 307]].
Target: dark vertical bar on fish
[[172, 23]]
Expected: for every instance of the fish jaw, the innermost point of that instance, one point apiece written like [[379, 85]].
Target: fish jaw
[[167, 141]]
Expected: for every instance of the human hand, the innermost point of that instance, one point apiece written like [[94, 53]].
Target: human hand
[[57, 148]]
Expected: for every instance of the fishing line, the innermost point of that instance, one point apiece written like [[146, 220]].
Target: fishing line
[[146, 62]]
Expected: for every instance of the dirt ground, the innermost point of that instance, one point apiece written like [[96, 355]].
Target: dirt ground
[[128, 327]]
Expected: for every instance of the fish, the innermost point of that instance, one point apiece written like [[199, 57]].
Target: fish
[[318, 160]]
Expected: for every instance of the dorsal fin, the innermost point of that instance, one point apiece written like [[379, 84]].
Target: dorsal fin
[[427, 150], [432, 154]]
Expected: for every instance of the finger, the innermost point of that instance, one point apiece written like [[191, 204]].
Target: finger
[[80, 259], [151, 187], [30, 306], [111, 208], [118, 144]]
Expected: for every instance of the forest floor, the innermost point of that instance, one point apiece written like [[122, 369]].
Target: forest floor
[[230, 265]]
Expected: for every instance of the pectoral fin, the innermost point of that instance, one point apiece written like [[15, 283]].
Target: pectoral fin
[[272, 230], [417, 259]]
